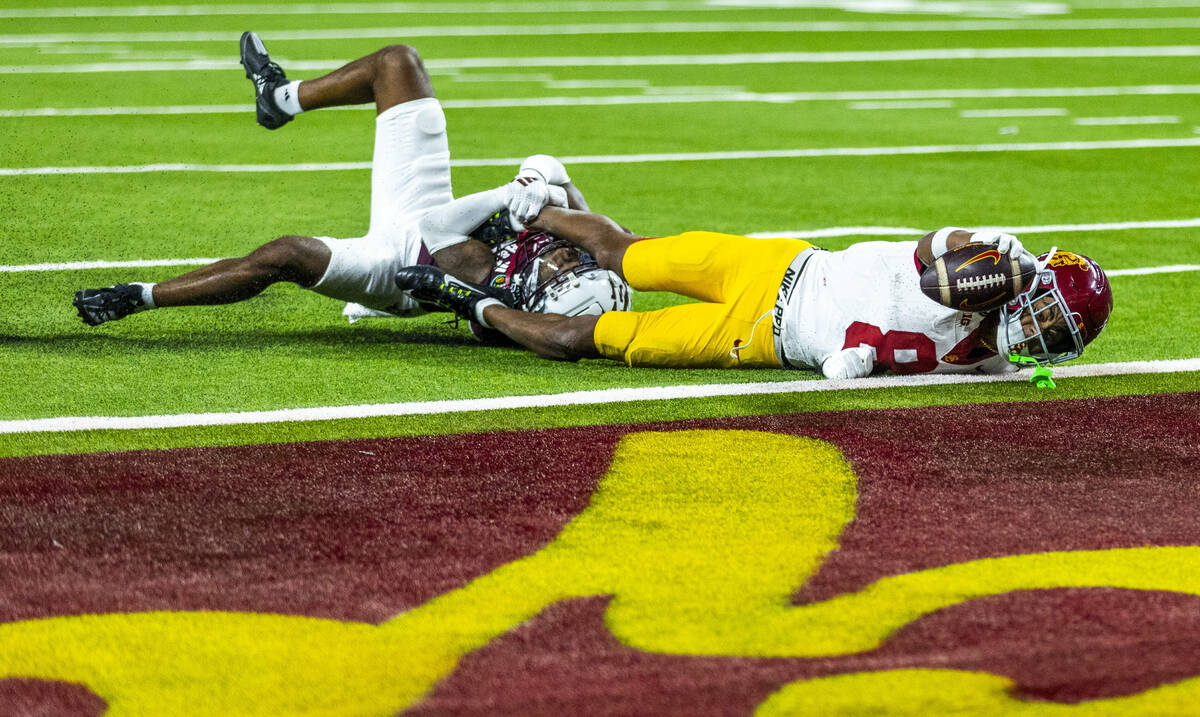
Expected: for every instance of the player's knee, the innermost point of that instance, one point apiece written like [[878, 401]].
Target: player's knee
[[288, 258], [399, 60]]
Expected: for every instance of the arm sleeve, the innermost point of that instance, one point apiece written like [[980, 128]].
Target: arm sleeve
[[451, 223]]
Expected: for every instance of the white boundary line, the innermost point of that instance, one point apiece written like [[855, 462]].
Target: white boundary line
[[636, 158], [1001, 9], [141, 263], [701, 95], [1118, 121], [574, 398], [949, 53], [362, 8], [1020, 112], [825, 232], [655, 28], [902, 105], [1036, 229], [85, 265], [1171, 269]]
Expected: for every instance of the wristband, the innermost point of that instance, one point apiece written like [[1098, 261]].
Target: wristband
[[483, 304], [986, 237], [937, 247]]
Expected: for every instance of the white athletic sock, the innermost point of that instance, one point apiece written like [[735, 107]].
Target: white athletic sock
[[483, 305], [288, 98], [147, 295]]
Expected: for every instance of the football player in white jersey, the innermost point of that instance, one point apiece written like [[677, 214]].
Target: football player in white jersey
[[414, 217], [784, 303]]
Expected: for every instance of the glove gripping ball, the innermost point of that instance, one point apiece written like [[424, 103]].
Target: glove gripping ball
[[976, 277]]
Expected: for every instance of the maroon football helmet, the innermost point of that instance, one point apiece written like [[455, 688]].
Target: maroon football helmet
[[1076, 288]]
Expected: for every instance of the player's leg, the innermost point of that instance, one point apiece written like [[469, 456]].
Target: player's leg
[[387, 77], [709, 266], [687, 336], [691, 335], [698, 335], [297, 259], [300, 260]]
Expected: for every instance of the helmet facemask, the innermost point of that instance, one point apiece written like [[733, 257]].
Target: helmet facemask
[[580, 287], [1055, 336]]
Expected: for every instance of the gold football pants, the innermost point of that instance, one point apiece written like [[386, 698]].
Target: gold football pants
[[737, 279]]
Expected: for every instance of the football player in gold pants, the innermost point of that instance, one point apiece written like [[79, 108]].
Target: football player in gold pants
[[737, 280]]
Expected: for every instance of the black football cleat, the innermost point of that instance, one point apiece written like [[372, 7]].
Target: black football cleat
[[496, 230], [433, 287], [266, 76], [96, 306]]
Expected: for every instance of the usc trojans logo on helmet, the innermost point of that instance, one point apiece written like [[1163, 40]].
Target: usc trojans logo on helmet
[[1066, 258]]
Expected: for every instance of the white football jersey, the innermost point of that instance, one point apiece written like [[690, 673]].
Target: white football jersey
[[869, 294]]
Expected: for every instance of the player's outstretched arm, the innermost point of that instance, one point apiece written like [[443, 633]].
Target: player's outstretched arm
[[551, 336], [446, 229], [934, 244], [554, 173], [595, 233]]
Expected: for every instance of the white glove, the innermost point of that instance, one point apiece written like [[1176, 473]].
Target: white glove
[[558, 197], [525, 197], [1004, 243], [855, 362], [546, 167]]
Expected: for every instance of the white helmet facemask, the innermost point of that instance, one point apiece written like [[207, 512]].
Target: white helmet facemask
[[1010, 332], [582, 288]]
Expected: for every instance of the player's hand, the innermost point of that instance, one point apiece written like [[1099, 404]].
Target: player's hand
[[546, 167], [1004, 243], [854, 362], [558, 197], [525, 196]]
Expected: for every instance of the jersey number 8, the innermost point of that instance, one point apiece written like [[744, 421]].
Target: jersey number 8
[[902, 352]]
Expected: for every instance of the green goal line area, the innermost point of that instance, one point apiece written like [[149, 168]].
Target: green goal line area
[[627, 413]]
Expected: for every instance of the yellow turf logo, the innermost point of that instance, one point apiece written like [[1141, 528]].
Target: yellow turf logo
[[700, 537]]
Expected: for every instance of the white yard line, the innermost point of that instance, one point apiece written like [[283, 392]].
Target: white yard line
[[635, 158], [902, 105], [1118, 121], [84, 265], [974, 8], [359, 8], [646, 28], [1026, 112], [574, 398], [1132, 4], [938, 7], [752, 58], [697, 95], [1172, 269], [826, 232], [1037, 229]]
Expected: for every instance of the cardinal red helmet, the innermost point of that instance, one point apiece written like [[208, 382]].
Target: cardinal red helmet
[[1078, 289]]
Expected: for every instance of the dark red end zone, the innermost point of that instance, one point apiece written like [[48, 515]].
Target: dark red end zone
[[361, 530]]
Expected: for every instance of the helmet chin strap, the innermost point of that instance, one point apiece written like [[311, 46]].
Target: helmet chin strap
[[1039, 265]]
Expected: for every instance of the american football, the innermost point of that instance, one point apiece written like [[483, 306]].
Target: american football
[[976, 277]]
